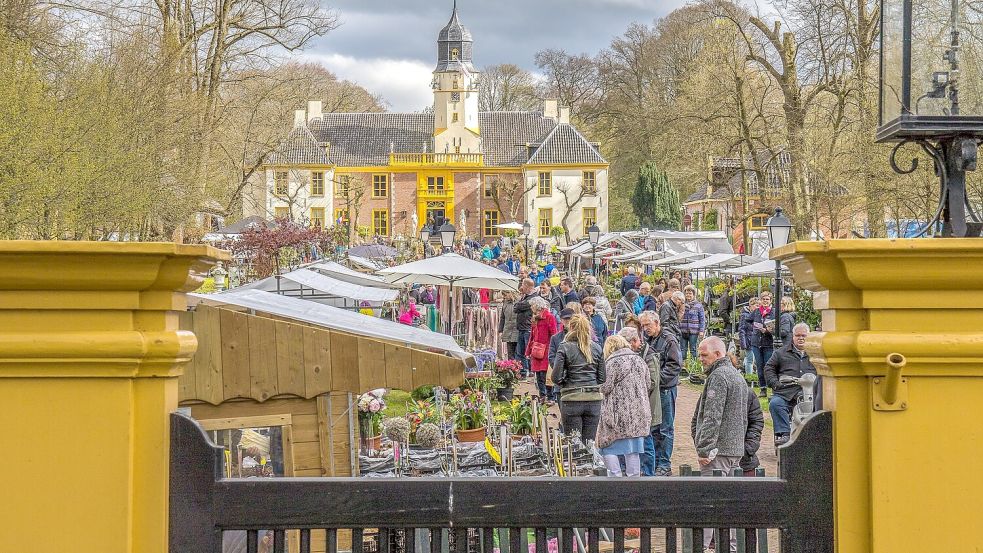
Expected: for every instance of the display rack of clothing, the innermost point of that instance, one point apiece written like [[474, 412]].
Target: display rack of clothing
[[481, 326]]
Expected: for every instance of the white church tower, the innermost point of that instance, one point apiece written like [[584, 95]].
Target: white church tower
[[455, 91]]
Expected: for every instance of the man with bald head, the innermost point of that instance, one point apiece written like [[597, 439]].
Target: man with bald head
[[720, 421], [523, 320]]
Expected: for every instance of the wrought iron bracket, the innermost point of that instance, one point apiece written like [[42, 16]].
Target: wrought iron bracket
[[952, 157]]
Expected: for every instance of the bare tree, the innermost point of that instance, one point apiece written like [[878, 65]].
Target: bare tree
[[506, 87]]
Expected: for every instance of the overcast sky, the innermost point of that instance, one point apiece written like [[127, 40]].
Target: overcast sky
[[389, 46]]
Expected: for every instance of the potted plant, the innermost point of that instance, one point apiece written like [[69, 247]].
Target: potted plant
[[419, 413], [506, 375], [370, 407], [468, 411], [518, 414]]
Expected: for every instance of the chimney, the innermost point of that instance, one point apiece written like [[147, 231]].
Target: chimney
[[565, 115], [313, 109], [300, 118], [550, 108]]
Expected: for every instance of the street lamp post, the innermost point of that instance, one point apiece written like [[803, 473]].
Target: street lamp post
[[425, 238], [447, 232], [927, 98], [594, 236], [526, 229], [779, 230]]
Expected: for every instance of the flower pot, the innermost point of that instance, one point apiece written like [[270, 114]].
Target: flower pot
[[374, 443], [505, 394], [476, 435]]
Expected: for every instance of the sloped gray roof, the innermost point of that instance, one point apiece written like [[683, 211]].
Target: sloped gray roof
[[366, 139], [358, 139], [565, 145], [300, 147], [505, 135], [454, 30]]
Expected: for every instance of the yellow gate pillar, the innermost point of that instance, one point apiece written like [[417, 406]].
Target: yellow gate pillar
[[89, 356], [901, 353]]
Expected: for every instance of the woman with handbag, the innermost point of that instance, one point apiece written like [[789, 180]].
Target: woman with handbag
[[537, 350], [578, 370], [626, 413]]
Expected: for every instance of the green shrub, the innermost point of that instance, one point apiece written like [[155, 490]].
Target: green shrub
[[423, 393]]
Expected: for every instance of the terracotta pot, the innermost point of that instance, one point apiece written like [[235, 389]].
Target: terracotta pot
[[476, 435], [374, 443]]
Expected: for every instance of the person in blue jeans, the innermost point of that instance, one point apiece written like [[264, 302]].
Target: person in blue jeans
[[789, 360], [661, 345], [762, 341]]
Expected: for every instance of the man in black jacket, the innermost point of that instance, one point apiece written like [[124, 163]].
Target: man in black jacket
[[752, 438], [657, 460], [567, 293], [523, 321], [789, 360], [669, 313]]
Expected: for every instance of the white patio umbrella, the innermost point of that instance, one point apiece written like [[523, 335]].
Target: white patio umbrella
[[510, 226], [451, 270]]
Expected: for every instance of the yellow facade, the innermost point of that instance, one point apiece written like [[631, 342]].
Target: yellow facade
[[91, 352], [907, 474], [428, 196]]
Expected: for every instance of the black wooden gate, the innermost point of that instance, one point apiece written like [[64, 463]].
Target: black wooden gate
[[465, 515]]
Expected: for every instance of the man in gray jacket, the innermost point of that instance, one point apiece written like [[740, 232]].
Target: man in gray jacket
[[720, 423]]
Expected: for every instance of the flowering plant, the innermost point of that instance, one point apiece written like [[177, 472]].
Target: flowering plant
[[507, 372], [370, 407], [518, 414], [468, 411], [422, 412]]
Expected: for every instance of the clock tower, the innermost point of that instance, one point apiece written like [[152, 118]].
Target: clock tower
[[455, 91]]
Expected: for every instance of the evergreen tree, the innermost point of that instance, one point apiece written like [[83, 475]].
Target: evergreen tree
[[656, 200]]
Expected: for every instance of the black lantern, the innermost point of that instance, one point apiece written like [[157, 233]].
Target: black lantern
[[425, 238], [447, 232], [779, 231], [593, 236], [931, 95]]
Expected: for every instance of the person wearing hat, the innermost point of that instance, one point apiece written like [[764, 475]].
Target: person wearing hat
[[565, 315]]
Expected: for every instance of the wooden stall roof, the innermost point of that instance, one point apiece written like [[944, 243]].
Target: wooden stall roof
[[259, 357]]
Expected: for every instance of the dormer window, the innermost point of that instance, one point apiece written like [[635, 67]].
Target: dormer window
[[454, 52]]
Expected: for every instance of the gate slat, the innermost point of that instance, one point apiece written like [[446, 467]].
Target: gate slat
[[252, 541], [305, 540]]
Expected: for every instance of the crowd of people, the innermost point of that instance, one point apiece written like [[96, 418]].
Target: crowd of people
[[615, 371]]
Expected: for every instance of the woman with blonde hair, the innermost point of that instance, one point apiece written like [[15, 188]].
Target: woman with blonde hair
[[626, 415], [578, 372], [786, 320]]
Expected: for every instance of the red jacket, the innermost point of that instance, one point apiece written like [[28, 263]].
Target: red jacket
[[542, 330]]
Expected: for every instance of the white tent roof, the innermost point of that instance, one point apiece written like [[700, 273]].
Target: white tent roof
[[675, 259], [687, 235], [364, 262], [339, 319], [510, 226], [719, 261], [340, 272], [601, 252], [605, 240], [761, 268], [307, 278], [451, 268], [637, 256]]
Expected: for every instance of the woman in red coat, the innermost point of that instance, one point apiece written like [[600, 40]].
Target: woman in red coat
[[537, 350]]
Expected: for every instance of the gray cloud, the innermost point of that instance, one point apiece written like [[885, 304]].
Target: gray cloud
[[505, 31]]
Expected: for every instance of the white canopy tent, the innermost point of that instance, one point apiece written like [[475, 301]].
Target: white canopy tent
[[341, 320], [305, 282], [675, 241], [510, 226], [453, 270], [635, 257], [677, 259], [719, 261], [764, 268], [364, 262], [606, 240], [340, 272]]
